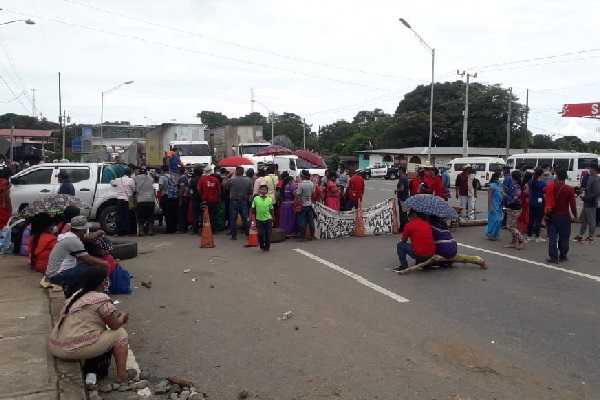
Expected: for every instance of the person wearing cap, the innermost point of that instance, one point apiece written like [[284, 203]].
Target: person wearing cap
[[209, 190], [355, 190], [66, 187], [125, 189], [68, 259]]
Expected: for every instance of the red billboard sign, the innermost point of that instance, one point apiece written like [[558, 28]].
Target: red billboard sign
[[590, 110]]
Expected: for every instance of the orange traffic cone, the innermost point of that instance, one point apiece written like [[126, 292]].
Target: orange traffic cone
[[253, 236], [206, 238], [395, 228], [359, 226]]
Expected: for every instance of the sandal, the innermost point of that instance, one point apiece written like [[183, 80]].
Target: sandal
[[510, 246]]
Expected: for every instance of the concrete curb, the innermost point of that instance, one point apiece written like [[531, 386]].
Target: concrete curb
[[70, 373]]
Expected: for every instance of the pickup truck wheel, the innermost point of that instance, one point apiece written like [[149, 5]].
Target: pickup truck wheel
[[124, 250], [367, 177], [393, 176], [108, 220], [277, 235]]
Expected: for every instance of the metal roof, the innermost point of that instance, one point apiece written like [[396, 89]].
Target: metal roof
[[26, 133]]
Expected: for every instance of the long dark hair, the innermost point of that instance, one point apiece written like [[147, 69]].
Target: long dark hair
[[517, 178], [93, 277], [536, 177], [68, 214], [286, 180], [39, 225]]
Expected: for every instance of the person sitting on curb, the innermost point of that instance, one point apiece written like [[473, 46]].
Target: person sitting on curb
[[421, 247], [69, 260], [90, 329]]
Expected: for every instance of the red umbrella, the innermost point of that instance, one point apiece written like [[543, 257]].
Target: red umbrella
[[234, 162], [274, 150], [311, 157]]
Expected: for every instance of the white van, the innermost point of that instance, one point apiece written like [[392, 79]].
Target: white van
[[483, 167], [575, 163]]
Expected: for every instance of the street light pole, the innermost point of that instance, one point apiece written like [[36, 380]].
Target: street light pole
[[432, 51], [102, 111], [465, 141], [272, 114], [303, 134]]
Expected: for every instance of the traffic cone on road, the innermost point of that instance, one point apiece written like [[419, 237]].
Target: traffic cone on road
[[253, 236], [395, 227], [206, 237], [359, 225]]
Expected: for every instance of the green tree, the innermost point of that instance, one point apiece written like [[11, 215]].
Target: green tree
[[336, 134], [213, 119], [543, 142], [25, 122], [284, 141]]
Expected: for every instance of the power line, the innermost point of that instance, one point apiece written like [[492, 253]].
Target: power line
[[141, 39], [241, 46], [14, 94]]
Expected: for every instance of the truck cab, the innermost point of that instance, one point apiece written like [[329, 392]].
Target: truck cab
[[379, 171], [193, 152]]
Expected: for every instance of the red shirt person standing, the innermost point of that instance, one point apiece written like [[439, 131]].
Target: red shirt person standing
[[355, 189], [209, 190]]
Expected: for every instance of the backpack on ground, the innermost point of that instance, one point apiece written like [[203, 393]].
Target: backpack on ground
[[120, 281]]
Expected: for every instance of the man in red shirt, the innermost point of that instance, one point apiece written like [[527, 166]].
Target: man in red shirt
[[560, 199], [435, 183], [209, 190], [421, 246], [418, 184], [355, 189]]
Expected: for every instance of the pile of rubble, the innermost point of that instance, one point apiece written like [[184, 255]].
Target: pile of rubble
[[172, 388]]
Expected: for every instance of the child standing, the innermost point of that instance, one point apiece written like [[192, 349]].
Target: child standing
[[262, 208]]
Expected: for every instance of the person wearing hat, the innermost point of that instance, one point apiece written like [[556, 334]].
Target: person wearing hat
[[68, 259], [209, 190], [66, 187]]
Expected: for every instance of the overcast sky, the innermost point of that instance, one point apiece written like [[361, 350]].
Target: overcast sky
[[322, 59]]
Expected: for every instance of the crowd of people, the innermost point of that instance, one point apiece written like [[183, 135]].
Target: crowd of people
[[523, 201]]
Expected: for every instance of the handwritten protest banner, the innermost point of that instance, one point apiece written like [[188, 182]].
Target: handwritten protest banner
[[330, 224]]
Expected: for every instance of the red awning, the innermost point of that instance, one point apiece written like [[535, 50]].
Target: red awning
[[38, 133], [590, 110]]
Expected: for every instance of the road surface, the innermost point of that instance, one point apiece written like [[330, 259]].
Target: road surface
[[520, 329]]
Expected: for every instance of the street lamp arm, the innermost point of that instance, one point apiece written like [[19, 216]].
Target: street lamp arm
[[262, 104], [27, 21], [423, 42], [116, 87]]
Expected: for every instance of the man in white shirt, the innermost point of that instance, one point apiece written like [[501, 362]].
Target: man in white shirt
[[125, 188]]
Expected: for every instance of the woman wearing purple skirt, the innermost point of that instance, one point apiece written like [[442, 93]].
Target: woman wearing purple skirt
[[287, 212]]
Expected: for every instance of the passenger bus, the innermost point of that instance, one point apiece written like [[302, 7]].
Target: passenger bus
[[575, 163]]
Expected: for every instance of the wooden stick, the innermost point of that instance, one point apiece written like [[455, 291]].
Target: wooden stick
[[462, 258]]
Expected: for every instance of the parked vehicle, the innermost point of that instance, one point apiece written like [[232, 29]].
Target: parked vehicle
[[575, 163], [91, 182], [379, 171], [483, 167]]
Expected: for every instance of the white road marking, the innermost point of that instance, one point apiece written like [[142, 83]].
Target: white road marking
[[540, 264], [354, 276], [385, 190]]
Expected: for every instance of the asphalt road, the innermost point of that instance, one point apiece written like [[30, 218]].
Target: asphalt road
[[520, 329]]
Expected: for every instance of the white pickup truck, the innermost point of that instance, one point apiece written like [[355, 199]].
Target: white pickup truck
[[91, 182]]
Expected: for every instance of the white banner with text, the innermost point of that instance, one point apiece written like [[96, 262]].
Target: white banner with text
[[331, 224]]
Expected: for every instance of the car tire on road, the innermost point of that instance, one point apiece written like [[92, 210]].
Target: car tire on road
[[277, 235], [124, 250], [367, 177], [393, 176], [108, 220]]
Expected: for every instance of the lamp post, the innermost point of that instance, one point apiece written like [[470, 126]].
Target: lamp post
[[432, 51], [102, 111], [27, 22], [12, 127], [272, 119]]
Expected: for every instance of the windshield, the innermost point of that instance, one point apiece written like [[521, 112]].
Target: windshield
[[252, 149], [194, 149], [303, 164]]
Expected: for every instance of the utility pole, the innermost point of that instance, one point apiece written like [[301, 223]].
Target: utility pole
[[508, 123], [465, 141], [63, 133], [60, 121], [12, 140], [252, 101], [272, 126], [303, 134], [526, 118], [33, 110]]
